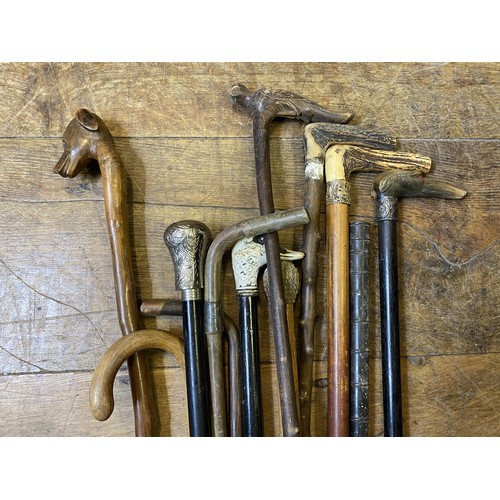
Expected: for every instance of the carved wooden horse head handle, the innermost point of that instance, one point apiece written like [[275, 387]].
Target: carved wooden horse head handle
[[86, 138]]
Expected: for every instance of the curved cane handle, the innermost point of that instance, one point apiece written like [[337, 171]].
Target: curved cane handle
[[101, 386]]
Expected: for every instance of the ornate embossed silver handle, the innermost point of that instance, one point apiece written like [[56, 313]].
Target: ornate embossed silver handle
[[188, 242]]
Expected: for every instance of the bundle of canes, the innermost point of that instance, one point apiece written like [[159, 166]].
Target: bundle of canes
[[188, 242], [340, 162], [387, 188], [88, 139], [318, 137], [213, 308], [264, 106], [172, 307], [291, 282], [248, 257]]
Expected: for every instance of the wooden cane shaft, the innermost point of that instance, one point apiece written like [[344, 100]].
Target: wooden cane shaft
[[114, 187], [217, 390], [293, 347], [337, 236]]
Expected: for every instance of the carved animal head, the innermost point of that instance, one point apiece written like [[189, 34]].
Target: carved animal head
[[85, 139]]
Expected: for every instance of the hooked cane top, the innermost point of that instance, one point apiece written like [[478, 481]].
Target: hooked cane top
[[399, 183], [187, 242]]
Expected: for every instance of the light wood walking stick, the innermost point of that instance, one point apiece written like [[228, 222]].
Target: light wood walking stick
[[87, 138], [340, 162]]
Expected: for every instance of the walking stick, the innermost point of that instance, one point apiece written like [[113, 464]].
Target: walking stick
[[248, 256], [101, 386], [264, 106], [340, 161], [359, 239], [87, 138], [213, 309], [168, 307], [388, 187], [291, 283], [318, 137], [188, 242]]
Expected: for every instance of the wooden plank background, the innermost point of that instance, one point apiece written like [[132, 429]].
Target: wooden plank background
[[189, 154]]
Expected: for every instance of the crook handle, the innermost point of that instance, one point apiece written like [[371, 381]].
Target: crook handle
[[101, 386]]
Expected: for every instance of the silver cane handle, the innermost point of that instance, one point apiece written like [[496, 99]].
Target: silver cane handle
[[187, 242]]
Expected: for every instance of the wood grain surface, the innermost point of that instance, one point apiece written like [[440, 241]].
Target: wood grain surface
[[188, 153]]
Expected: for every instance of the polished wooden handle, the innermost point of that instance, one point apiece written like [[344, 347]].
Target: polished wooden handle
[[101, 387]]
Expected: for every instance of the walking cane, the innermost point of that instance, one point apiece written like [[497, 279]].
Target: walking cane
[[87, 138], [359, 275], [213, 309], [188, 242], [264, 106], [387, 188], [247, 257], [169, 307], [340, 161], [291, 283], [101, 385], [318, 137]]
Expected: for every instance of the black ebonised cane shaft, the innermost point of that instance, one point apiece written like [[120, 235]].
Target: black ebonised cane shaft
[[250, 366], [389, 322], [359, 236], [198, 391]]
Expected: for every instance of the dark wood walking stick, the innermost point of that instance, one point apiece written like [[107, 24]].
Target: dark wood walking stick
[[264, 106], [169, 307], [87, 138], [388, 187], [359, 275], [291, 283], [188, 242], [318, 137], [340, 162], [213, 309]]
